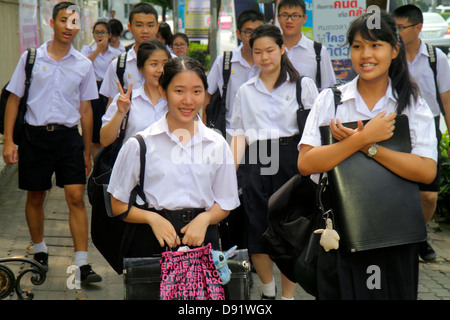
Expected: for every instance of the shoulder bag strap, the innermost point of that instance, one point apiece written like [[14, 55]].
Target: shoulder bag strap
[[226, 70], [433, 65], [318, 49]]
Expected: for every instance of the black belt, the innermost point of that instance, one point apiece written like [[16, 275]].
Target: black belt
[[186, 215], [282, 141], [52, 127], [287, 140]]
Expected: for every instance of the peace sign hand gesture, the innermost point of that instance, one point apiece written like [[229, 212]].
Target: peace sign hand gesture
[[124, 100]]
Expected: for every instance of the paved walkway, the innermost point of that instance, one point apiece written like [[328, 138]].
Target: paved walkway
[[15, 241]]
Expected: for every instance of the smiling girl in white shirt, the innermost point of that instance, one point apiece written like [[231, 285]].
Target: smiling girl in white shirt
[[381, 90], [190, 181]]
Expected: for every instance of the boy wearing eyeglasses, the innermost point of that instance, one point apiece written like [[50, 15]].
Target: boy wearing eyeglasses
[[300, 50], [242, 66], [409, 20]]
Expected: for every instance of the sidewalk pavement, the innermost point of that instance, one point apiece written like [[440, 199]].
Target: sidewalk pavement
[[434, 278]]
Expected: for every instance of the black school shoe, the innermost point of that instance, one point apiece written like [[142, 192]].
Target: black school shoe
[[42, 258], [88, 275], [426, 252]]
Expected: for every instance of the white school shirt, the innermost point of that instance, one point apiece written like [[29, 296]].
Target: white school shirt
[[241, 72], [102, 61], [422, 74], [303, 57], [131, 75], [57, 88], [177, 176], [264, 115], [142, 112], [353, 108]]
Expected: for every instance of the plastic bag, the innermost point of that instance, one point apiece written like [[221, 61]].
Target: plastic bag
[[190, 275]]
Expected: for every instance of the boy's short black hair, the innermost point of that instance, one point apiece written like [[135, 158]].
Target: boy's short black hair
[[142, 7], [291, 3], [410, 12], [249, 15], [61, 6]]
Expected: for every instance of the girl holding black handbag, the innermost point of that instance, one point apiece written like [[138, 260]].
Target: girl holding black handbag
[[381, 92]]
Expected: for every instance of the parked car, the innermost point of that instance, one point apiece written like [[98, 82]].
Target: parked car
[[435, 31]]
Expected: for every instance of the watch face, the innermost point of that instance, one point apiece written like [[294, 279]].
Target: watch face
[[373, 150]]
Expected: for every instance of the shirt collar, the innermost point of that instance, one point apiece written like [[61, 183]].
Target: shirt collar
[[350, 90], [161, 127], [72, 51], [140, 92]]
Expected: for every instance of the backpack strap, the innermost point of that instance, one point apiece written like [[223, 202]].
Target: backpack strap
[[433, 65], [31, 58], [318, 49], [337, 98], [227, 55], [138, 190], [120, 71], [299, 93], [121, 64]]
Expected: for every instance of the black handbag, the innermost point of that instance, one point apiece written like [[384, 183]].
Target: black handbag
[[294, 212], [375, 208]]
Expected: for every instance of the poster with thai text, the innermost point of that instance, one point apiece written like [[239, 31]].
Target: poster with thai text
[[331, 20]]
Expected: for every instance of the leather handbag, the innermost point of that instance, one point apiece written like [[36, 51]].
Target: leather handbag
[[375, 208]]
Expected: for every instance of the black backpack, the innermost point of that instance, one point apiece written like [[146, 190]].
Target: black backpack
[[18, 127], [215, 110]]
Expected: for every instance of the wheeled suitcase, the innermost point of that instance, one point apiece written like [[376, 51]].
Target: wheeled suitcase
[[239, 286], [142, 278]]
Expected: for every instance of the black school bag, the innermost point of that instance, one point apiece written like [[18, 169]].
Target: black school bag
[[20, 120], [215, 110], [106, 230], [294, 212]]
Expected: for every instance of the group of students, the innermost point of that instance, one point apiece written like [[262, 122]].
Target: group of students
[[193, 168]]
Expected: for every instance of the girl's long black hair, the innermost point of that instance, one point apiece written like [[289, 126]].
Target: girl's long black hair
[[405, 90], [267, 30]]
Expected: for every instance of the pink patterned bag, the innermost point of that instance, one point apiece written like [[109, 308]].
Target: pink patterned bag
[[190, 275]]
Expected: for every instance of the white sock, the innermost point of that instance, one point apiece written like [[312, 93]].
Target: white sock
[[40, 247], [284, 298], [81, 258], [269, 289]]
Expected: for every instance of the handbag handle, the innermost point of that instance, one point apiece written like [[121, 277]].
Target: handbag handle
[[320, 191]]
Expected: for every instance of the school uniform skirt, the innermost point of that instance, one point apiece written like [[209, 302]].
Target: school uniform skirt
[[268, 165], [390, 273]]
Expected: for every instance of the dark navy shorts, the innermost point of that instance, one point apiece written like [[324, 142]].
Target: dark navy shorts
[[43, 153]]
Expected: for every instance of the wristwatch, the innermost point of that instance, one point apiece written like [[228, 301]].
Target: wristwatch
[[373, 150]]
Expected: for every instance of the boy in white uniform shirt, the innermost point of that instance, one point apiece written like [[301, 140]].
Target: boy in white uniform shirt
[[409, 21], [62, 85], [242, 66], [143, 25], [300, 49]]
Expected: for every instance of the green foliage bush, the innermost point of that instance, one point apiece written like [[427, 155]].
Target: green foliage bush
[[200, 52], [444, 193]]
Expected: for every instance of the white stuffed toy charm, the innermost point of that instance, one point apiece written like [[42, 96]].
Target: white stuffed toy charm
[[329, 238]]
